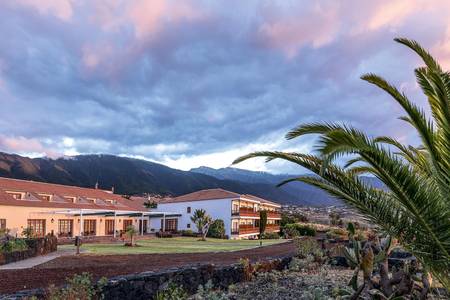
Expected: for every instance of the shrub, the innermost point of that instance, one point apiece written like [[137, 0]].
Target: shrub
[[292, 218], [4, 232], [27, 232], [14, 245], [188, 232], [217, 229], [270, 236], [307, 246], [336, 233], [207, 292], [172, 292], [78, 287], [294, 230], [163, 234]]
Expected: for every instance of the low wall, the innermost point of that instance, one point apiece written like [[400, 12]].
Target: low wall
[[37, 247], [146, 285]]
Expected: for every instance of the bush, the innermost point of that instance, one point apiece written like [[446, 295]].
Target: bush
[[78, 287], [14, 245], [271, 236], [337, 233], [164, 234], [308, 246], [27, 232], [188, 232], [294, 230], [207, 292], [292, 218], [217, 229], [172, 292]]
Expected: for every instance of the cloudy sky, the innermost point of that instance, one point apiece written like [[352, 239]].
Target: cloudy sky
[[190, 83]]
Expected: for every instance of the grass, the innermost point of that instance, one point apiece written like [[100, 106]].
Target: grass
[[172, 245]]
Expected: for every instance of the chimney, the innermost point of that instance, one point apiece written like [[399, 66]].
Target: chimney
[[96, 185], [112, 189]]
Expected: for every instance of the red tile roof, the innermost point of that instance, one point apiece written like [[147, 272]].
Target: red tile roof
[[203, 195], [32, 189], [251, 197], [214, 194]]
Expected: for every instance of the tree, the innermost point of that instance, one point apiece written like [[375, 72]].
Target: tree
[[262, 224], [202, 221], [415, 207], [217, 229], [131, 232]]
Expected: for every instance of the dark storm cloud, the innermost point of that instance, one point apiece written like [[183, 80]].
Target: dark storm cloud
[[172, 80]]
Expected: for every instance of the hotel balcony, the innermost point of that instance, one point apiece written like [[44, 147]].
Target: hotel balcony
[[274, 214], [245, 229], [272, 228], [245, 212]]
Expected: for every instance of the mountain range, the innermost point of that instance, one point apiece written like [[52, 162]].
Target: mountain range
[[131, 176]]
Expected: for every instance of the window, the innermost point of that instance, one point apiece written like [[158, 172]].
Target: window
[[171, 225], [37, 227], [89, 227], [188, 209], [17, 196], [127, 223], [65, 228], [2, 224], [188, 225], [109, 227], [235, 208], [47, 198], [235, 227], [92, 200], [143, 223], [71, 199]]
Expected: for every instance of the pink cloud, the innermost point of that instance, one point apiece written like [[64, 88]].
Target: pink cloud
[[290, 27], [316, 26], [60, 8], [23, 145], [149, 17]]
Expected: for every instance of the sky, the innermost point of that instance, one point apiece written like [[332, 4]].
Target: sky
[[192, 83]]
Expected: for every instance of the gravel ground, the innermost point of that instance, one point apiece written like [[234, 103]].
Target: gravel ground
[[56, 271], [314, 284]]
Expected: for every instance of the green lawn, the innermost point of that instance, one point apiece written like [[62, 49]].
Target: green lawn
[[173, 245]]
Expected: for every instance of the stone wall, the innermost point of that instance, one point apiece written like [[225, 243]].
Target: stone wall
[[146, 285], [36, 247]]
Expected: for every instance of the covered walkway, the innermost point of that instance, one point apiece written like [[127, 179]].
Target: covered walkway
[[140, 215]]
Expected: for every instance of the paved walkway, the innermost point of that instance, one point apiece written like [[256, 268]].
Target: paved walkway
[[34, 261]]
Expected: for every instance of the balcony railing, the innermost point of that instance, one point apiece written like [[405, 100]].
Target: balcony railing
[[272, 227], [273, 214], [245, 229], [245, 212]]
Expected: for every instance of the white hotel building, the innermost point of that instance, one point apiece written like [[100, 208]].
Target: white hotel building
[[240, 213]]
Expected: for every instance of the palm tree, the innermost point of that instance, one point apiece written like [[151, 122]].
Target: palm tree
[[415, 208], [131, 232], [202, 220]]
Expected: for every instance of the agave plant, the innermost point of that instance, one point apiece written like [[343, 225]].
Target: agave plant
[[415, 206]]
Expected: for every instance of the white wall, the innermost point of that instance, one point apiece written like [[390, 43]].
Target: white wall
[[217, 209]]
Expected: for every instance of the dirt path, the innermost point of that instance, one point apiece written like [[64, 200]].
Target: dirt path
[[55, 271]]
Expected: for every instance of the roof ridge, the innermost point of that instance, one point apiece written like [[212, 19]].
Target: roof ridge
[[57, 184]]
